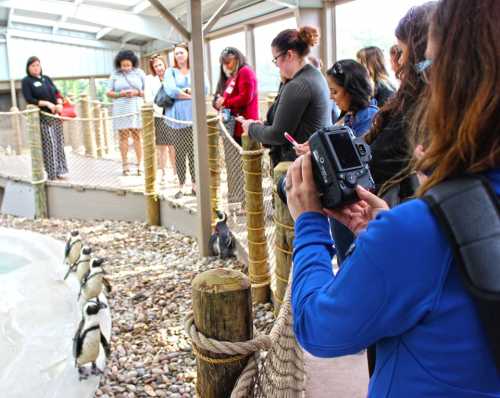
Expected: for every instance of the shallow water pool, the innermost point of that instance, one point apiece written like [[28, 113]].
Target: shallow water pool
[[10, 262]]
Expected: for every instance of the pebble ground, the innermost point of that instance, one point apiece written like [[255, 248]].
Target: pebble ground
[[151, 270]]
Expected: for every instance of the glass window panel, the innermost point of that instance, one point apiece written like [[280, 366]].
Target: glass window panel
[[267, 73], [363, 23]]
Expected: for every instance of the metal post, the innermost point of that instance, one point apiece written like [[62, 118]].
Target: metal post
[[250, 45], [200, 126]]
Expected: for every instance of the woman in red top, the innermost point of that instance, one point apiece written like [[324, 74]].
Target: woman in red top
[[237, 92], [237, 88]]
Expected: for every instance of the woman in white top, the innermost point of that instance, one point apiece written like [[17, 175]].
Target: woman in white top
[[164, 139]]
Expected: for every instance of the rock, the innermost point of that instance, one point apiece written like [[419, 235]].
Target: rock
[[150, 391]]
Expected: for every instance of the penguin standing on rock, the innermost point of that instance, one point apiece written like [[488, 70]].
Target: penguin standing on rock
[[88, 339], [221, 242], [83, 264], [94, 282], [72, 251]]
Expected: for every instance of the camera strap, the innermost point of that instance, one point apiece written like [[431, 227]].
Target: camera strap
[[468, 211]]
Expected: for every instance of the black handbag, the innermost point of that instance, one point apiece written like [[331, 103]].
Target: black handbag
[[162, 99]]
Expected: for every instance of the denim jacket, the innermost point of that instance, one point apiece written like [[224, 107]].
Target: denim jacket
[[361, 122]]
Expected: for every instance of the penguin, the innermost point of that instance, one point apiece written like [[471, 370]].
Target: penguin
[[88, 339], [83, 264], [94, 281], [72, 251], [221, 242]]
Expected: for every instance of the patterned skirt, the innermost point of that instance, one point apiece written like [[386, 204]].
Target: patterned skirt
[[164, 133], [54, 158]]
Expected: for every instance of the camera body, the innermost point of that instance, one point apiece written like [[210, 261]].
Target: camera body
[[340, 162]]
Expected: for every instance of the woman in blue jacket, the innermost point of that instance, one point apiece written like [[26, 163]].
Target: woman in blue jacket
[[400, 287]]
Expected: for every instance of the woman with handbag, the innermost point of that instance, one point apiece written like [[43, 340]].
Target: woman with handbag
[[41, 91], [164, 139], [177, 84], [126, 89]]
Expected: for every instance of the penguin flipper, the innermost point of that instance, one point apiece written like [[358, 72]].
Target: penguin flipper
[[67, 249], [107, 285], [77, 341], [105, 345]]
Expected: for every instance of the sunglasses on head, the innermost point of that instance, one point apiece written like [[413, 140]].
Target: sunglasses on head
[[337, 69]]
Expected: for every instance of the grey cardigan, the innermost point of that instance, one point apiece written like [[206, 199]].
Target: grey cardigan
[[302, 108]]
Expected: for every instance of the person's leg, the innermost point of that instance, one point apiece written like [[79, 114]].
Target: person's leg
[[190, 154], [171, 155], [136, 136], [162, 160], [59, 155], [180, 158], [47, 149], [123, 143]]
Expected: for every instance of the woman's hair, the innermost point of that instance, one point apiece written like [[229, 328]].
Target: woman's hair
[[412, 30], [373, 59], [395, 53], [354, 78], [126, 55], [30, 61], [463, 113], [152, 60], [185, 47], [299, 40], [224, 55]]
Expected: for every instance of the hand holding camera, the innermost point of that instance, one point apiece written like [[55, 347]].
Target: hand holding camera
[[336, 167]]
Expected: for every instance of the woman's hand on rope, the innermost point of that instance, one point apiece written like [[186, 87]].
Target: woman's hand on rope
[[219, 102], [47, 104], [301, 192], [58, 109], [357, 215]]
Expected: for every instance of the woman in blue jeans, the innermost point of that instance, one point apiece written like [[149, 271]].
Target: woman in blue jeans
[[401, 287], [351, 89]]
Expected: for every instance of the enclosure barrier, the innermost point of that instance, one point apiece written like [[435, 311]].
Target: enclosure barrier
[[283, 243], [37, 170], [258, 269], [148, 131]]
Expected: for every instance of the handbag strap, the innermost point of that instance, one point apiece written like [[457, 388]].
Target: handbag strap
[[128, 81]]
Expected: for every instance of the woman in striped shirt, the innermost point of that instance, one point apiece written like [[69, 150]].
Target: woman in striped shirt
[[126, 88]]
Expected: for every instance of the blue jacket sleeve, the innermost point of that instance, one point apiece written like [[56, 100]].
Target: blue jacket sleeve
[[383, 288], [170, 84]]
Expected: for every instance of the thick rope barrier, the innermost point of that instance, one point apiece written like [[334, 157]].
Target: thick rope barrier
[[251, 348]]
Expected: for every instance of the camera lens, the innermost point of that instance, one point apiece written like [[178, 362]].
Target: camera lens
[[281, 189]]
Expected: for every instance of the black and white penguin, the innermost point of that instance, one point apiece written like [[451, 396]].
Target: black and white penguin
[[221, 242], [94, 282], [88, 339], [83, 264], [72, 251]]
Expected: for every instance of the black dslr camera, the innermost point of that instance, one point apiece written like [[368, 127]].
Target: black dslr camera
[[340, 162]]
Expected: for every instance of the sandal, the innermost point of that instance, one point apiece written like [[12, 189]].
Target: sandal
[[178, 195], [126, 172]]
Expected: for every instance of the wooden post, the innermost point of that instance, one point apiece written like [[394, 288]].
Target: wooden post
[[88, 137], [106, 131], [213, 163], [283, 240], [37, 168], [148, 131], [99, 140], [222, 307], [16, 126], [258, 267]]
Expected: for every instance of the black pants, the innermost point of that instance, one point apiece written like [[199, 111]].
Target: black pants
[[184, 148]]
